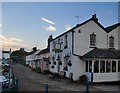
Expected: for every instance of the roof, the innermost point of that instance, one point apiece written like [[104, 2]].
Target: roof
[[110, 28], [44, 51], [32, 52], [78, 25], [103, 53]]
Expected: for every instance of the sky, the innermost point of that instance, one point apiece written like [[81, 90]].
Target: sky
[[29, 24]]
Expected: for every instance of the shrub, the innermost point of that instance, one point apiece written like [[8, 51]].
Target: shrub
[[83, 78]]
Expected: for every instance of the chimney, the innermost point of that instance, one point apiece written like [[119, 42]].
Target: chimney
[[49, 39], [34, 48], [94, 17]]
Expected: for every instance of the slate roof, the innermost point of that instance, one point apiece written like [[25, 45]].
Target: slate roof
[[110, 28], [78, 25], [107, 29], [32, 52], [44, 51], [103, 53]]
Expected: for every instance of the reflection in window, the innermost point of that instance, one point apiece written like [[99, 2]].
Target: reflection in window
[[108, 66], [86, 65], [96, 66], [119, 66], [90, 66], [113, 66], [102, 66]]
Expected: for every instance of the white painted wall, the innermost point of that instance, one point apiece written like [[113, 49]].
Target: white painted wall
[[119, 37], [114, 32], [82, 40], [77, 68]]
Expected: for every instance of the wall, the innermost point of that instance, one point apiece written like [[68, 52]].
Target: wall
[[82, 40], [115, 35], [119, 37]]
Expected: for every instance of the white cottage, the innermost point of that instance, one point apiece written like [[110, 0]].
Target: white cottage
[[86, 49], [31, 57]]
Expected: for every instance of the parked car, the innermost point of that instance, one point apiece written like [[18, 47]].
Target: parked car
[[4, 83], [5, 63]]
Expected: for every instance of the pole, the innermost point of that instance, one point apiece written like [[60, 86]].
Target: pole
[[46, 88], [87, 86], [91, 78]]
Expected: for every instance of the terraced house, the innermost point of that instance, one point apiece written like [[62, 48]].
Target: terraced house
[[86, 49]]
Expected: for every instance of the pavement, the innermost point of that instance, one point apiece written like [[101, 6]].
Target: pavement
[[32, 81]]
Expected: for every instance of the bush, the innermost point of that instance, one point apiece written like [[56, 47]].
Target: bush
[[37, 69], [83, 78]]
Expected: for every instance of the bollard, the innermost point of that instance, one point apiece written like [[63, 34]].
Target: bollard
[[16, 84], [91, 78], [87, 86], [46, 88]]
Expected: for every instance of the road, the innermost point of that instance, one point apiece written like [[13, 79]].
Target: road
[[32, 81]]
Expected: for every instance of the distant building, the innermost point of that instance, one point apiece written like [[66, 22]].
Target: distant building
[[85, 49], [43, 58], [19, 56], [30, 57]]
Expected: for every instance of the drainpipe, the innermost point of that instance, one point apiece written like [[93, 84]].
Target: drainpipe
[[107, 40], [73, 45]]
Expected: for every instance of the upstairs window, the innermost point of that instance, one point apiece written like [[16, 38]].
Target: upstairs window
[[111, 42], [66, 42], [92, 40]]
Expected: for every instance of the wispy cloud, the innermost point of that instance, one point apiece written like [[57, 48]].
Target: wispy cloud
[[11, 42], [50, 28], [48, 21], [68, 27]]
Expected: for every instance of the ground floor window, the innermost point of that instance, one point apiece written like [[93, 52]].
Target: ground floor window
[[108, 66], [102, 66], [90, 66], [86, 65], [119, 66], [113, 66], [96, 66]]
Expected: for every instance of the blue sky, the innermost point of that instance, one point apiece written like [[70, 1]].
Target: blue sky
[[28, 24]]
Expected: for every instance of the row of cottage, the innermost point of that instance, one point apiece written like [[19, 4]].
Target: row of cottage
[[86, 49]]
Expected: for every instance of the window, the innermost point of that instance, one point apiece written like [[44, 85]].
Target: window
[[113, 66], [108, 66], [66, 42], [65, 64], [102, 66], [90, 66], [96, 66], [92, 40], [79, 31], [119, 66], [86, 65], [111, 42]]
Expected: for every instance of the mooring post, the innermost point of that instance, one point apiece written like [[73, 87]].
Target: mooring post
[[87, 86], [91, 78], [46, 88]]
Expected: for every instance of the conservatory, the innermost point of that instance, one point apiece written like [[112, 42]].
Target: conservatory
[[102, 65]]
